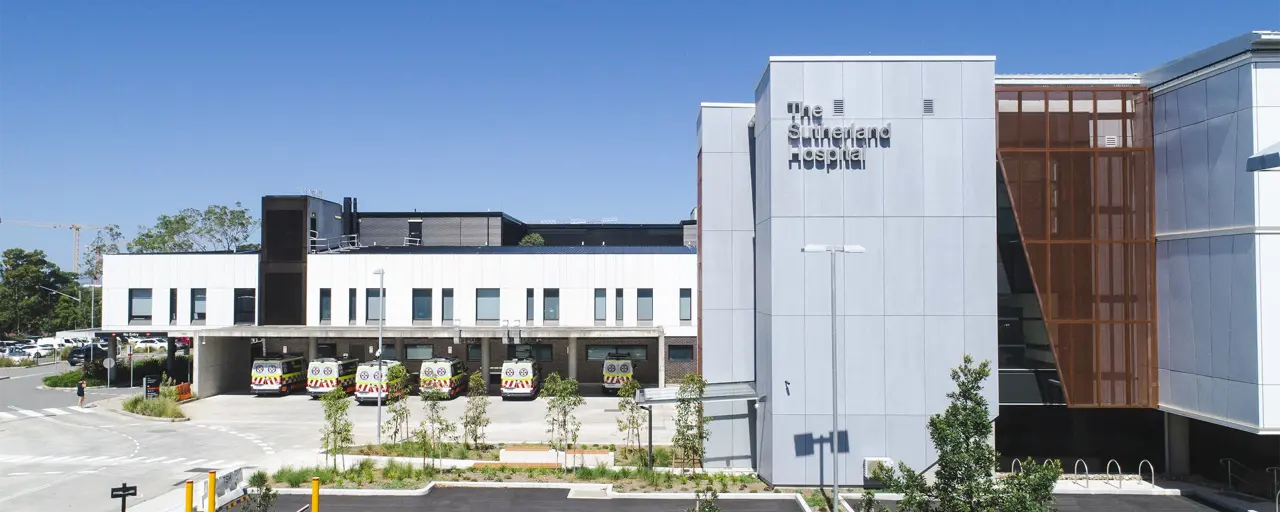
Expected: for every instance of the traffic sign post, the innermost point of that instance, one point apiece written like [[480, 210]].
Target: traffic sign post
[[122, 493], [152, 385]]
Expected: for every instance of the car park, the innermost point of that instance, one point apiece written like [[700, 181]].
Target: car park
[[15, 354]]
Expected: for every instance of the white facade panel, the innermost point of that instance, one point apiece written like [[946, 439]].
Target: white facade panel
[[218, 274]]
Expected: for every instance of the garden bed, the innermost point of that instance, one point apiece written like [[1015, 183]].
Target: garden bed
[[159, 407], [70, 378], [367, 474]]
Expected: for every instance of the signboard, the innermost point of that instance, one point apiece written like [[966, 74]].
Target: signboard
[[109, 363], [831, 146], [123, 491], [230, 486], [152, 385]]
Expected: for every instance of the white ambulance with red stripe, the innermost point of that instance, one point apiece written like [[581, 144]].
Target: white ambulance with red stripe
[[521, 377], [618, 370], [372, 385]]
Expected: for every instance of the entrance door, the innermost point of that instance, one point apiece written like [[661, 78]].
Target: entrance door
[[415, 233]]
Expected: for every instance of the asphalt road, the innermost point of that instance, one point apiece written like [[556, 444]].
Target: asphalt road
[[56, 456], [522, 500]]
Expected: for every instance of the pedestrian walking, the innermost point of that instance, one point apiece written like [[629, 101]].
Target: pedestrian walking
[[80, 392]]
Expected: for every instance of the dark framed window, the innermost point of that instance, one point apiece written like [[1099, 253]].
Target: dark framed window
[[326, 305], [419, 352], [246, 306], [644, 305], [351, 305], [551, 304], [617, 306], [199, 305], [528, 304], [680, 353], [474, 352], [422, 304], [173, 306], [446, 305], [541, 353], [686, 304], [601, 306], [632, 352], [372, 304], [488, 305], [139, 305]]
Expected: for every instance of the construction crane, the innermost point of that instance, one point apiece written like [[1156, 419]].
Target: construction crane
[[75, 231]]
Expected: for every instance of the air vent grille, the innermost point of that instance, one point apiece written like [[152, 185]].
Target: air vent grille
[[928, 107], [1110, 141], [837, 107]]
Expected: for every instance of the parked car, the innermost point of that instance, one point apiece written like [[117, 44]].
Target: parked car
[[14, 354], [150, 344], [41, 350], [79, 354]]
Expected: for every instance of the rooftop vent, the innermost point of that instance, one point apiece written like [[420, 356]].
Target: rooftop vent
[[1110, 141], [837, 107], [928, 107]]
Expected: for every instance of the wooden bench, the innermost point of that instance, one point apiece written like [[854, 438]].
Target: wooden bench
[[517, 465], [588, 452]]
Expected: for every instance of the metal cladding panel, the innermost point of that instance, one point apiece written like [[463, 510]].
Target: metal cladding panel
[[495, 231], [383, 231], [473, 231], [442, 231]]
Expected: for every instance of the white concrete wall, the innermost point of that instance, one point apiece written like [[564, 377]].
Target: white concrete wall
[[575, 275], [218, 274]]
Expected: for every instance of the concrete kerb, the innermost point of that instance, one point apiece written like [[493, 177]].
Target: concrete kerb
[[6, 377], [607, 488], [113, 405]]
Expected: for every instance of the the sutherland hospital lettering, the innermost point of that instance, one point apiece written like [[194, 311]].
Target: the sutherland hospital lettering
[[842, 147]]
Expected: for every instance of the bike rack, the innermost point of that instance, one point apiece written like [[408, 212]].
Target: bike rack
[[1015, 466], [1119, 473], [1153, 471], [1086, 472]]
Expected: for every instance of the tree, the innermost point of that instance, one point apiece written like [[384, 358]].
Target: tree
[[691, 434], [26, 302], [337, 433], [563, 398], [631, 416], [965, 479], [265, 498], [439, 429], [706, 501], [533, 239], [107, 241], [476, 417], [397, 424], [225, 228]]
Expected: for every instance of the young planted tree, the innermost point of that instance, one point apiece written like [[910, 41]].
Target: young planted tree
[[439, 429], [706, 501], [563, 398], [264, 498], [397, 424], [691, 433], [630, 416], [965, 479], [476, 417], [337, 434]]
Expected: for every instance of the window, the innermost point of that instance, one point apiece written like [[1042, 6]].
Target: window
[[419, 351], [351, 306], [199, 305], [389, 352], [372, 305], [680, 353], [422, 305], [139, 305], [474, 352], [644, 305], [601, 305], [528, 305], [539, 353], [551, 305], [686, 305], [488, 306], [246, 306], [173, 306], [326, 305], [617, 306], [446, 306], [632, 352]]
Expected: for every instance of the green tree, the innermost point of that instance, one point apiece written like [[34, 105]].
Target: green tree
[[691, 433], [27, 305], [476, 417], [706, 501], [264, 498], [106, 241], [965, 479], [563, 398], [630, 416], [337, 433], [397, 424], [533, 239], [438, 427]]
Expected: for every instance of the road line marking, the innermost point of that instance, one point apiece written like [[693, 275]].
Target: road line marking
[[236, 464], [197, 461], [95, 458], [52, 473], [73, 459], [6, 416], [56, 411], [171, 461], [148, 461], [112, 460], [18, 474], [85, 410], [215, 463], [32, 414]]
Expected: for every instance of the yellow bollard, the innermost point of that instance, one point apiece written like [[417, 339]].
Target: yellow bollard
[[213, 491], [315, 494], [191, 493]]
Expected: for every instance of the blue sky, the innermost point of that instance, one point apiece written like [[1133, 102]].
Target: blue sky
[[116, 112]]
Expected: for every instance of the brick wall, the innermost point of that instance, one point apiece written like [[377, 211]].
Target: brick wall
[[676, 370], [592, 372]]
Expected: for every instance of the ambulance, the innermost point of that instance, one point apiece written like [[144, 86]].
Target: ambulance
[[371, 382], [617, 371], [327, 374], [521, 377], [279, 374], [446, 374]]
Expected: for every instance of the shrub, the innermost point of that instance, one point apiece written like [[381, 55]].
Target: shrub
[[9, 363], [70, 378], [163, 407]]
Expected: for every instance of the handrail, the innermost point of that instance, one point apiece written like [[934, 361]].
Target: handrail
[[1015, 466], [1076, 466], [1228, 462], [1275, 482], [1119, 473], [1153, 472]]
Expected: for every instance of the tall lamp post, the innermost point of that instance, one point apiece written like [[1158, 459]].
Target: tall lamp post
[[382, 315], [835, 365]]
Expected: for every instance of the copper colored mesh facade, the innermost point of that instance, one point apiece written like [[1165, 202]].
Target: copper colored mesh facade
[[1078, 165]]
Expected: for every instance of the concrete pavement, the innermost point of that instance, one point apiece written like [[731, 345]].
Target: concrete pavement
[[520, 500]]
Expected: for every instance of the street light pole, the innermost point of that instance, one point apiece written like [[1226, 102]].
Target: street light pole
[[382, 314], [835, 366]]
